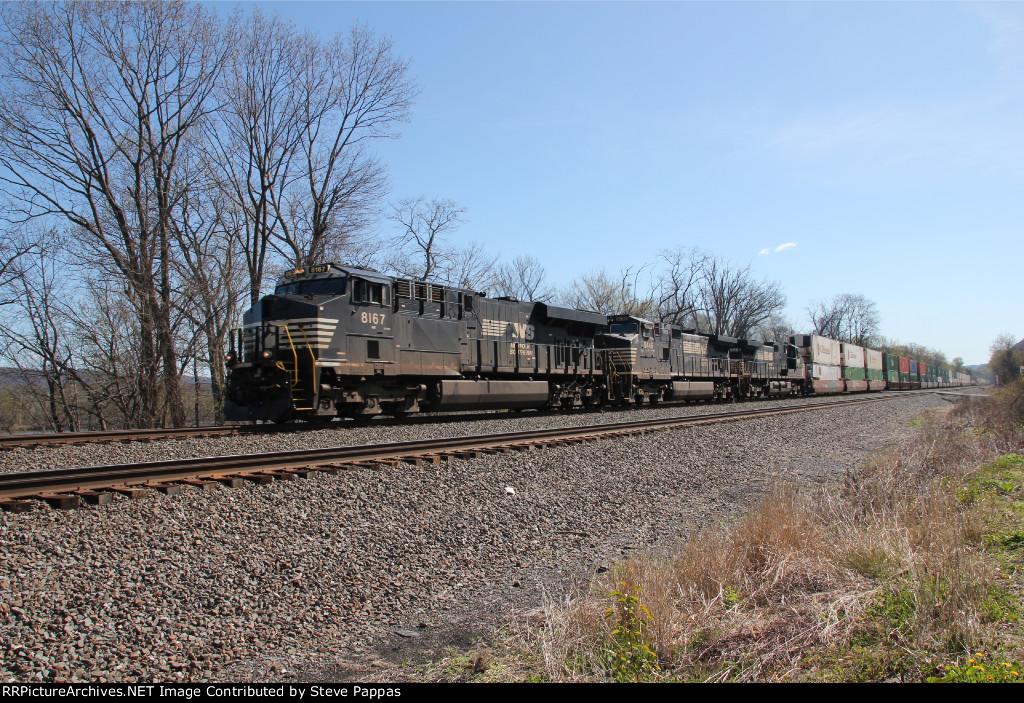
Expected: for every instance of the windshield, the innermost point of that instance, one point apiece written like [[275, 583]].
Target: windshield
[[320, 286], [623, 328]]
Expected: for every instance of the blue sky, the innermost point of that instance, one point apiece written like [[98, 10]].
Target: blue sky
[[884, 140]]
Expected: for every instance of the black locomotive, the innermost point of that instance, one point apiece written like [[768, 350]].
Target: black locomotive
[[336, 341]]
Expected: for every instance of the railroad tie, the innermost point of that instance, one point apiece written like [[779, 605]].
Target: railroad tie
[[467, 454], [61, 501], [16, 506], [95, 497], [132, 492], [258, 477], [229, 481], [328, 468], [200, 484], [169, 489]]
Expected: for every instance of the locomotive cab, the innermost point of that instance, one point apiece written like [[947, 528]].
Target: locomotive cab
[[277, 358], [639, 358]]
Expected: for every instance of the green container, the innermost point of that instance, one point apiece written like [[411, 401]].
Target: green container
[[892, 375], [875, 374], [853, 373]]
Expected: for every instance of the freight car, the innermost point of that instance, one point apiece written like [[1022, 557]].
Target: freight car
[[338, 341]]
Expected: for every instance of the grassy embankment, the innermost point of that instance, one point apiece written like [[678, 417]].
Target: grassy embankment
[[912, 570]]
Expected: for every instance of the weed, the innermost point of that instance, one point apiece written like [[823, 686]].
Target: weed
[[905, 565], [628, 653], [982, 669], [871, 561], [1000, 605]]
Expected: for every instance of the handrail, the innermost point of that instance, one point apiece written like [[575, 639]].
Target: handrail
[[295, 354]]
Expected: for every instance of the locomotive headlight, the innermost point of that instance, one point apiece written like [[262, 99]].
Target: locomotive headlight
[[267, 354], [229, 358]]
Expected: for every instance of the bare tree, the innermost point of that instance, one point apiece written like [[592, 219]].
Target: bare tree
[[599, 292], [298, 114], [469, 267], [847, 318], [267, 94], [421, 248], [523, 278], [678, 284], [209, 237], [13, 245], [775, 329], [732, 302], [36, 340], [369, 93], [108, 344], [100, 101]]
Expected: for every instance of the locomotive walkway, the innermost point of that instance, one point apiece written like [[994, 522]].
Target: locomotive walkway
[[69, 488]]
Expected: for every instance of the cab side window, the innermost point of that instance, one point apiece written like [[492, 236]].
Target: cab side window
[[369, 292]]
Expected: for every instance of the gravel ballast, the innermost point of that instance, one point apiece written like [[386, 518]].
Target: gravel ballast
[[347, 434], [318, 577]]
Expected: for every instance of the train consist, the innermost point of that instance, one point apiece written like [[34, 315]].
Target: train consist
[[336, 341]]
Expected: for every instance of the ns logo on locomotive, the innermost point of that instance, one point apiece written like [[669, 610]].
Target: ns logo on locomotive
[[337, 341]]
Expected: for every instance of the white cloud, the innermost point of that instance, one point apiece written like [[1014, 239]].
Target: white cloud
[[787, 245], [764, 252], [1006, 24]]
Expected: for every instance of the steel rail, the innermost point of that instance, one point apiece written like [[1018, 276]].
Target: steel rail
[[48, 483], [12, 441], [55, 438]]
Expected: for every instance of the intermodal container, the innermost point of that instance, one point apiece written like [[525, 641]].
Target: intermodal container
[[826, 372], [875, 366], [817, 349], [852, 361], [890, 362], [891, 370], [904, 364]]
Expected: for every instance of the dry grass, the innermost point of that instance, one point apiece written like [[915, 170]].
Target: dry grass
[[886, 575]]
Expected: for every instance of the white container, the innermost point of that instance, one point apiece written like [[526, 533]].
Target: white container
[[820, 350], [874, 359], [853, 356], [826, 372]]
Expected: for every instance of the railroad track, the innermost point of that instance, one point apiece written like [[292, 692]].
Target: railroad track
[[97, 485], [13, 441]]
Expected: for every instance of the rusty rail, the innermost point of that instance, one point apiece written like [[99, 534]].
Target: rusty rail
[[96, 484]]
